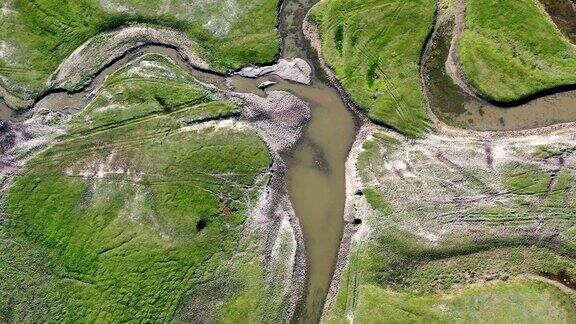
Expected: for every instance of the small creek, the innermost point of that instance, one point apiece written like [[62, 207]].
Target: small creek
[[315, 174], [315, 165], [455, 107]]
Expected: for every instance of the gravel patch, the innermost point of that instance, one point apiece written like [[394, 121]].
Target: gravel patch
[[296, 70]]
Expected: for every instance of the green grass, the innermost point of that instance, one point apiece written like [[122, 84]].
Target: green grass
[[438, 291], [150, 85], [543, 152], [446, 216], [399, 260], [130, 219], [515, 302], [396, 279], [526, 179], [374, 49], [37, 35], [511, 49]]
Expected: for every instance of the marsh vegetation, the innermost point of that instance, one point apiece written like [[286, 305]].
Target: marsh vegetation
[[163, 193], [139, 212]]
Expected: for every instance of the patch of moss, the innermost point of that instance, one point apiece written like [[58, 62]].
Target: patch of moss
[[544, 152]]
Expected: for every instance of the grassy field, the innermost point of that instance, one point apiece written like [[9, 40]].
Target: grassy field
[[149, 85], [452, 213], [503, 61], [138, 214], [374, 49], [37, 35], [515, 302]]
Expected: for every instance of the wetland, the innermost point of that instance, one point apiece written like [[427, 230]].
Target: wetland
[[314, 165], [309, 170]]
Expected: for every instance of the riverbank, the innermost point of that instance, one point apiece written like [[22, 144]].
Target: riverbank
[[279, 118], [358, 206], [259, 110], [399, 189]]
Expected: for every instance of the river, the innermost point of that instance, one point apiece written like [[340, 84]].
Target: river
[[315, 174]]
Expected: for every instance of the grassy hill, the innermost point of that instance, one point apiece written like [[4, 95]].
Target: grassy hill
[[374, 48], [37, 35]]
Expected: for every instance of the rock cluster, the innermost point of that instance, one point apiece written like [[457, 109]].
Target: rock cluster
[[279, 118], [296, 70]]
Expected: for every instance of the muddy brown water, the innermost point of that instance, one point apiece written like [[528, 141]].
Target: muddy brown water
[[315, 165], [316, 182], [563, 13], [316, 185]]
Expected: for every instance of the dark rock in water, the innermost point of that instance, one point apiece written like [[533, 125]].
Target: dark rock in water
[[357, 221], [7, 137]]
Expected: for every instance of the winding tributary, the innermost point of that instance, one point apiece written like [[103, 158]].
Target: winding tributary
[[454, 106], [315, 175]]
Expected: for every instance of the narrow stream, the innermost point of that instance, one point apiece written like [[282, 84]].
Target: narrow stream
[[316, 168], [315, 173], [316, 182], [315, 165]]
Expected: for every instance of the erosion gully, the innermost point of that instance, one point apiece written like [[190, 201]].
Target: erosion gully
[[315, 165]]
